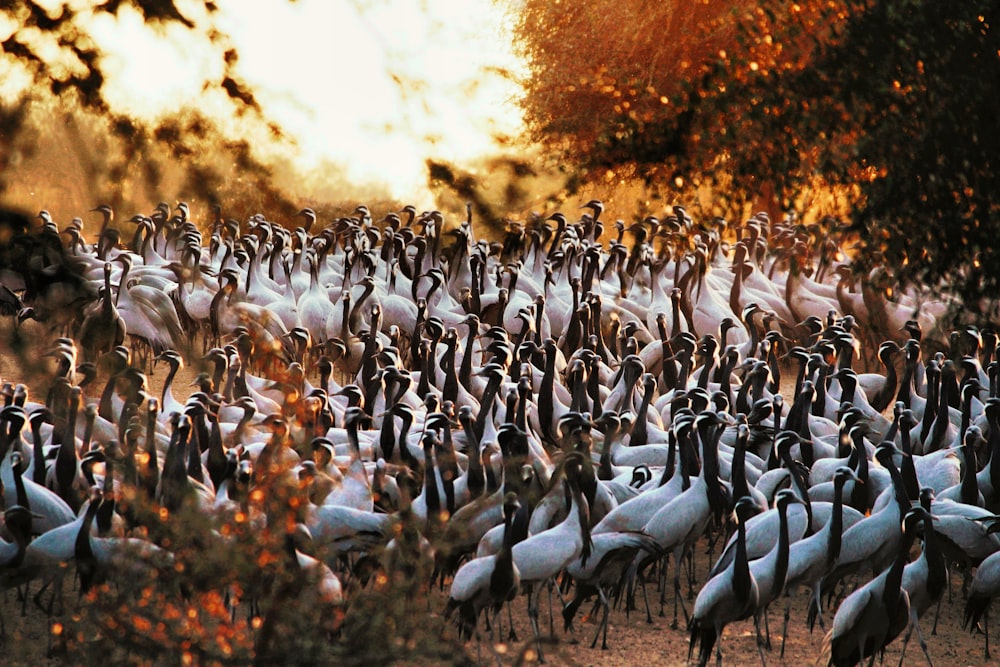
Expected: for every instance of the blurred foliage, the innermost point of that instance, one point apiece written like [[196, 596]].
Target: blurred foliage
[[228, 591], [65, 148], [64, 140], [62, 55], [891, 103]]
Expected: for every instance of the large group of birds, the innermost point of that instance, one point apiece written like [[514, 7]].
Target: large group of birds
[[569, 408]]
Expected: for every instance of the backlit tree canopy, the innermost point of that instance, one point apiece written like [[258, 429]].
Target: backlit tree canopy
[[70, 135], [896, 101], [65, 135], [62, 54]]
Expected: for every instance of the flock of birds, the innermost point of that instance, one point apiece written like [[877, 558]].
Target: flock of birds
[[570, 409]]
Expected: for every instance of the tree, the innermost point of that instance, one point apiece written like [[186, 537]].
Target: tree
[[65, 138], [62, 55], [893, 102]]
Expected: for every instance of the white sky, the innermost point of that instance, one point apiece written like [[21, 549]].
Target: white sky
[[322, 69]]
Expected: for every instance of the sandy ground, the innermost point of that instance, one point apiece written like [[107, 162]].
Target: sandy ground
[[631, 641]]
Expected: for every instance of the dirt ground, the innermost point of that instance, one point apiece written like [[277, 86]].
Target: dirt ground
[[631, 641]]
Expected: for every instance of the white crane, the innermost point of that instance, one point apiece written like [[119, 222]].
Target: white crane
[[731, 595], [985, 586], [771, 570], [487, 582], [925, 579], [876, 613], [542, 556], [604, 574], [810, 559], [679, 523]]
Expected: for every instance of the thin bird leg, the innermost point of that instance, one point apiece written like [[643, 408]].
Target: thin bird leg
[[37, 598], [479, 645], [784, 629], [533, 617], [593, 611], [713, 539], [552, 624], [923, 644], [607, 611], [661, 580], [559, 592], [937, 612], [909, 631], [604, 621], [718, 647], [58, 592], [512, 635], [496, 626], [490, 616], [817, 601], [760, 648], [487, 620], [767, 627], [986, 627], [22, 595], [645, 598], [678, 598], [689, 554], [630, 582]]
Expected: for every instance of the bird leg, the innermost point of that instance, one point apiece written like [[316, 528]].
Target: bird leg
[[604, 620], [630, 598], [661, 580], [713, 536], [533, 617], [512, 634], [479, 645], [559, 592], [923, 644], [816, 610], [604, 640], [562, 604], [645, 598], [937, 612], [552, 624], [756, 628], [37, 599], [677, 596], [784, 629], [906, 639], [760, 648], [691, 574], [57, 585], [495, 630], [22, 595]]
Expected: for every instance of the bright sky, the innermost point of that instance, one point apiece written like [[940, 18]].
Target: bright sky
[[376, 86]]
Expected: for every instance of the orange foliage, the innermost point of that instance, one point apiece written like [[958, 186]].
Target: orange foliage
[[675, 91], [593, 61]]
